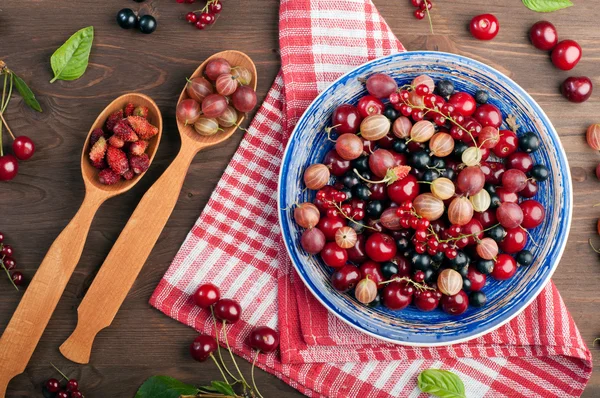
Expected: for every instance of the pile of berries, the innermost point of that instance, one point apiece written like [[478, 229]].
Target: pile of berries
[[565, 55], [211, 111], [23, 149], [119, 150], [205, 16], [8, 263], [422, 6], [53, 389], [261, 338], [429, 196]]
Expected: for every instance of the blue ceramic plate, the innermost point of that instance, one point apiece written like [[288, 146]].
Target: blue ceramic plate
[[308, 144]]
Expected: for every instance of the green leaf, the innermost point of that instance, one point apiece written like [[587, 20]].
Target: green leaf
[[547, 5], [441, 383], [70, 61], [26, 93], [164, 387], [223, 388]]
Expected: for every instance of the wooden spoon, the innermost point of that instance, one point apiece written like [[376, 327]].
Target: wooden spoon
[[27, 324], [132, 248]]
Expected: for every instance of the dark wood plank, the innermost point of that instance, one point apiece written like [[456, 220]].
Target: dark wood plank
[[40, 202]]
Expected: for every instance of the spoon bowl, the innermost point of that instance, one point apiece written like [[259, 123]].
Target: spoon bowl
[[39, 301], [90, 173]]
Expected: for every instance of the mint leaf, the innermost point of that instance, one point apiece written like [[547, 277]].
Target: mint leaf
[[223, 388], [441, 383], [547, 5], [26, 93], [164, 387], [70, 60]]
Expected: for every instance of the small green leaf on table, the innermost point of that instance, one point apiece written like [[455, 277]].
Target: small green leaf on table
[[70, 60], [26, 93], [547, 5], [441, 383], [165, 387], [223, 388]]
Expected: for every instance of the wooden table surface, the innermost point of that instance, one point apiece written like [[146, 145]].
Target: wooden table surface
[[37, 205]]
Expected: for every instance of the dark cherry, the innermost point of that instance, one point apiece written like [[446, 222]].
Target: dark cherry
[[477, 279], [404, 190], [202, 347], [566, 54], [72, 385], [488, 115], [346, 119], [455, 305], [543, 35], [336, 164], [397, 296], [369, 105], [380, 247], [9, 263], [17, 278], [378, 191], [52, 385], [345, 278], [486, 218], [507, 145], [484, 26], [514, 241], [263, 338], [62, 394], [533, 213], [206, 295], [357, 253], [493, 172], [426, 300], [372, 270], [521, 161], [228, 310], [330, 225], [577, 88], [505, 267], [333, 255], [76, 394], [530, 189], [506, 196], [23, 147], [7, 251], [464, 103], [387, 142]]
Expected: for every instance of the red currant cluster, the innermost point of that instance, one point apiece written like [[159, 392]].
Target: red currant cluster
[[261, 338], [206, 16], [8, 263], [425, 203], [53, 389], [422, 6]]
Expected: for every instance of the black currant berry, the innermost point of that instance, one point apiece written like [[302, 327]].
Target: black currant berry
[[459, 148], [485, 266], [374, 209], [402, 243], [350, 179], [430, 175], [127, 19], [481, 96], [445, 88], [376, 302], [539, 172], [388, 269], [361, 164], [399, 146], [477, 299], [420, 160], [524, 258], [494, 200], [147, 24], [529, 142], [420, 262], [361, 191], [391, 113], [497, 233], [466, 284]]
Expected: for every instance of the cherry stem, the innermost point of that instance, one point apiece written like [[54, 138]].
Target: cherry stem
[[594, 342], [369, 181], [64, 376], [7, 127], [530, 236], [592, 246], [252, 374], [418, 285], [233, 358], [428, 15], [219, 367], [338, 208], [217, 333], [8, 273]]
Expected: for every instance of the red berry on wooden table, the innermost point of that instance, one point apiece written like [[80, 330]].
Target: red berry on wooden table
[[543, 35], [202, 347], [576, 88], [566, 54], [484, 26]]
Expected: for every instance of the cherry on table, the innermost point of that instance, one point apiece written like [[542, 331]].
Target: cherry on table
[[263, 338], [543, 35], [7, 251], [23, 147], [17, 278], [206, 295], [9, 263], [566, 54], [8, 167], [484, 26], [202, 347], [62, 394], [72, 385], [576, 89], [76, 394], [52, 385], [228, 310]]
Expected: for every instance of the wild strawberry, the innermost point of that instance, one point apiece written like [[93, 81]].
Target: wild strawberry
[[142, 127], [124, 131], [138, 147], [97, 152], [128, 175], [129, 108], [108, 177], [117, 160], [139, 164], [96, 134], [113, 119], [116, 141], [141, 111]]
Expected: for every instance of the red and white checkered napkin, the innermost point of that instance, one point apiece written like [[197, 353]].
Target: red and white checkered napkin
[[236, 244]]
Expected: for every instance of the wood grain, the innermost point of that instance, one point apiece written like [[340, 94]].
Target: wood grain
[[37, 205]]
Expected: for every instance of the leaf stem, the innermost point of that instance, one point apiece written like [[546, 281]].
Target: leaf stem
[[252, 374]]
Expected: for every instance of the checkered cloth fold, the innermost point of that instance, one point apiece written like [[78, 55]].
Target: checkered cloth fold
[[236, 244]]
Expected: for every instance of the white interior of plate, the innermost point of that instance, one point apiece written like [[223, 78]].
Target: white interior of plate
[[308, 144]]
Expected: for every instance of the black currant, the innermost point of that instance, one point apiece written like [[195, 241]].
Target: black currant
[[348, 193], [402, 243], [374, 208], [463, 271], [497, 233], [147, 24], [420, 160], [376, 302], [430, 174], [449, 173], [420, 262], [399, 146], [490, 188], [529, 142], [438, 257], [361, 164], [485, 266], [438, 163], [445, 88], [356, 226], [430, 275], [481, 96], [495, 200], [460, 261], [361, 191], [539, 172], [477, 299], [459, 148], [127, 19], [350, 179], [524, 258], [466, 284], [391, 113], [388, 269]]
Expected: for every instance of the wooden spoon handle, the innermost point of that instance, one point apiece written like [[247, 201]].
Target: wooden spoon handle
[[27, 324], [126, 258]]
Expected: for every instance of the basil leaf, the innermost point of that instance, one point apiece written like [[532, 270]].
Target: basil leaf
[[547, 5], [70, 60], [26, 93], [441, 383], [223, 388], [164, 387]]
